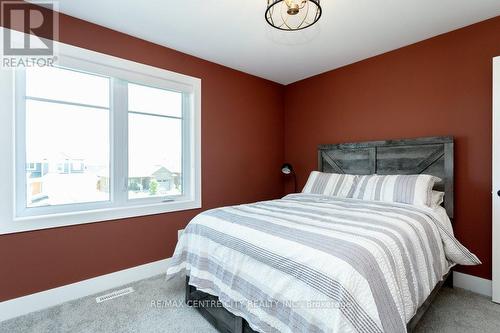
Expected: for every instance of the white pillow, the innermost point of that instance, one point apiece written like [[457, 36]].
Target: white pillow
[[332, 184], [409, 189], [437, 198]]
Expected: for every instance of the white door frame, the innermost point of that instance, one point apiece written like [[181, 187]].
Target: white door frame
[[496, 181]]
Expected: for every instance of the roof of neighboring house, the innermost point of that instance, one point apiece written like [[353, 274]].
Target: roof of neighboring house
[[66, 156], [54, 157], [143, 171]]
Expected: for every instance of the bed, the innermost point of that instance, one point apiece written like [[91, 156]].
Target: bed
[[315, 263]]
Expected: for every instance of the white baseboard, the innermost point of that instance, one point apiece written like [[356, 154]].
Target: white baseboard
[[472, 283], [45, 299]]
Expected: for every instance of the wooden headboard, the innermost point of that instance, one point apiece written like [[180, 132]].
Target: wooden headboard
[[429, 155]]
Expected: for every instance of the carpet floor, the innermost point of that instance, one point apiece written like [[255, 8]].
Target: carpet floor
[[453, 311]]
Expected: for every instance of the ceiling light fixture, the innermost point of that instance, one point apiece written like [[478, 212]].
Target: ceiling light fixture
[[292, 15]]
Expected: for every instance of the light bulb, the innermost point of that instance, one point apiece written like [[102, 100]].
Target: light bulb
[[294, 6]]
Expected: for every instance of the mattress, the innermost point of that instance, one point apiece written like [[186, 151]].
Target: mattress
[[313, 263]]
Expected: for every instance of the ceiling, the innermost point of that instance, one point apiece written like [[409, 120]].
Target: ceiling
[[235, 33]]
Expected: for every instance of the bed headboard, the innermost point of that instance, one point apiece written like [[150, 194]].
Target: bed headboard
[[429, 155]]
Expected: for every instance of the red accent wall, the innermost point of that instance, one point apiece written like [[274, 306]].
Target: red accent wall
[[242, 152], [440, 86]]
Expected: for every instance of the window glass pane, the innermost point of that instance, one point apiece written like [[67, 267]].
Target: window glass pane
[[67, 154], [157, 101], [155, 156], [67, 85]]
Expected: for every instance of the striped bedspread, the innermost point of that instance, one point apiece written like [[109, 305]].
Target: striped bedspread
[[312, 263]]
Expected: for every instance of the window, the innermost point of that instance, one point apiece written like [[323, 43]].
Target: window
[[97, 138], [155, 142], [65, 115]]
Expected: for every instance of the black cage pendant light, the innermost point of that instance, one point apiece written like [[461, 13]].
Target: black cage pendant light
[[292, 15]]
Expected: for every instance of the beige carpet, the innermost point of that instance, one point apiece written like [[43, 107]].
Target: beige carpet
[[453, 311]]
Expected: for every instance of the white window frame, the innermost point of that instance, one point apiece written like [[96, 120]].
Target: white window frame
[[14, 218], [496, 182]]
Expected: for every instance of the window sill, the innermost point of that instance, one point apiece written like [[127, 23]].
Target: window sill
[[31, 223]]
